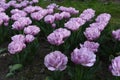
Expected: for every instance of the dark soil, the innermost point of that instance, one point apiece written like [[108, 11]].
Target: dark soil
[[33, 71]]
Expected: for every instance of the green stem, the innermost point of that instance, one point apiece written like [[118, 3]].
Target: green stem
[[57, 75], [78, 34], [79, 73], [18, 58], [115, 46], [117, 78]]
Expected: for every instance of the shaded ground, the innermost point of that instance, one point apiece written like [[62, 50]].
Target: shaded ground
[[34, 71]]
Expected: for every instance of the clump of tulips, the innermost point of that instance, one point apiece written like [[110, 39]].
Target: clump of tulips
[[74, 41]]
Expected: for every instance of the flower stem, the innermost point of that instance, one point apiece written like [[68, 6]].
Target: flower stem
[[117, 78], [115, 46], [57, 75], [18, 58], [78, 73]]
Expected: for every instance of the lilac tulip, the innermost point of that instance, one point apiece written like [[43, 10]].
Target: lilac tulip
[[83, 56], [56, 61]]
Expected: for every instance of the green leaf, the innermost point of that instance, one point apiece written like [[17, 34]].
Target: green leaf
[[2, 50], [48, 78], [15, 67], [118, 53], [10, 66], [111, 57], [9, 75]]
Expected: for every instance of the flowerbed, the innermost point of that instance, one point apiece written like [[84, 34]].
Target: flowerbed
[[77, 41]]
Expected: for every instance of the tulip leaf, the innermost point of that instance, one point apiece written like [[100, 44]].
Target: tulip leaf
[[48, 78], [15, 67], [2, 50], [9, 75], [111, 57]]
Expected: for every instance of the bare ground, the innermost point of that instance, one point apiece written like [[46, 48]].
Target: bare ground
[[33, 71]]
